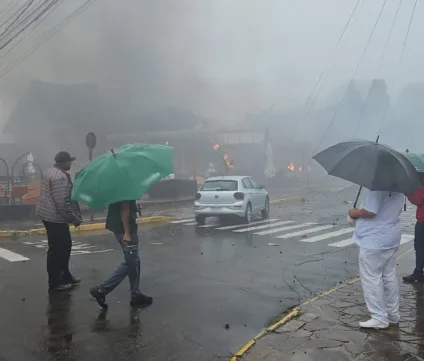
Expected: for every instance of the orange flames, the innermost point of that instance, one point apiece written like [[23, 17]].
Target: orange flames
[[227, 161], [291, 167]]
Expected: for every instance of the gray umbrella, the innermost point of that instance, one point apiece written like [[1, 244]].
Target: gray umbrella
[[370, 165]]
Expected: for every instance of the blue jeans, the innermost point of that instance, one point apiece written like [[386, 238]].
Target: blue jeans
[[130, 267]]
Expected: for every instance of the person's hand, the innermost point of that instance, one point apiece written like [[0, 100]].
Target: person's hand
[[126, 238], [352, 213], [77, 222]]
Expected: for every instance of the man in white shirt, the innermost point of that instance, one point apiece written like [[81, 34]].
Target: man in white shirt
[[378, 234]]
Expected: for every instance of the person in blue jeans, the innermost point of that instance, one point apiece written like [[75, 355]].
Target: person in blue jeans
[[122, 221]]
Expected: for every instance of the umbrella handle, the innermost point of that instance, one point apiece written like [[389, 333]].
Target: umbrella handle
[[357, 197]]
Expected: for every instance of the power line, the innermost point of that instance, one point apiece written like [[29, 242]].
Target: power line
[[25, 8], [353, 77], [13, 15], [49, 11], [332, 57], [32, 21], [398, 66], [364, 109], [48, 35]]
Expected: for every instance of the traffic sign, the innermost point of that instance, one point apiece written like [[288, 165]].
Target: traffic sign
[[90, 140]]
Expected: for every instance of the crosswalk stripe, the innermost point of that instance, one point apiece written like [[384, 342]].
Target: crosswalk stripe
[[181, 221], [36, 243], [208, 226], [406, 238], [248, 229], [81, 246], [11, 256], [328, 235], [190, 224], [343, 243], [282, 229], [243, 225], [306, 231]]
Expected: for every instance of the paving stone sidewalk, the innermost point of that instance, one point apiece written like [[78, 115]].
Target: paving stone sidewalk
[[327, 329]]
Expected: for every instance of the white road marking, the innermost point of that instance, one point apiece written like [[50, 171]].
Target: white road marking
[[250, 224], [406, 238], [76, 253], [208, 226], [306, 231], [343, 243], [77, 247], [181, 221], [36, 243], [82, 246], [276, 230], [11, 256], [321, 237], [248, 229], [190, 224]]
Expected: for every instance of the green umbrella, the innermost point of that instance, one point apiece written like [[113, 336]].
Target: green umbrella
[[416, 159], [122, 174]]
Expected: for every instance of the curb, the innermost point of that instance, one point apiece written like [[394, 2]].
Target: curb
[[82, 228], [286, 200], [293, 313]]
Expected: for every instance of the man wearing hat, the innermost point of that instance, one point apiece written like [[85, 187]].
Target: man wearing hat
[[57, 211]]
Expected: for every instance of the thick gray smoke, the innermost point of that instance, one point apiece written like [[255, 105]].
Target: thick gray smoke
[[224, 59]]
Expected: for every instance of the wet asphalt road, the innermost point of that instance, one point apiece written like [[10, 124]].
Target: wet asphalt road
[[202, 279]]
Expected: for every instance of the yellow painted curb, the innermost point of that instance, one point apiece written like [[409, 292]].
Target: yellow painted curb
[[292, 314], [82, 228], [286, 200], [295, 312]]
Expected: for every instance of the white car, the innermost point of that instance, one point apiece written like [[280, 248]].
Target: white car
[[226, 196]]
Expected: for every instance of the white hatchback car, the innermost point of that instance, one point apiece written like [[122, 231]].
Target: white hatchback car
[[226, 196]]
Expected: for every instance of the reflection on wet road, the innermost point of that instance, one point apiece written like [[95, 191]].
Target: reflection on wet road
[[213, 289]]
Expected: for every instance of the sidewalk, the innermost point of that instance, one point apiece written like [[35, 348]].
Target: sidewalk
[[326, 328]]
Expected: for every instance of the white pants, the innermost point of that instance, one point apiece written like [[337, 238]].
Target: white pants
[[377, 269]]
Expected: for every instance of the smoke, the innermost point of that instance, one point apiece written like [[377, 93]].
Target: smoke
[[220, 59]]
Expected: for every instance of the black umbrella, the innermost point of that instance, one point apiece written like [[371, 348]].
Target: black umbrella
[[370, 165]]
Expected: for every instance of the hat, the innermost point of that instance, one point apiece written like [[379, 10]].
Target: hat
[[62, 157]]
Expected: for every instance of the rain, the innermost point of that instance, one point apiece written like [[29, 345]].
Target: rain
[[237, 88]]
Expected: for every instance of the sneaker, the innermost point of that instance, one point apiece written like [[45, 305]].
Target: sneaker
[[63, 287], [141, 300], [372, 323], [99, 297], [415, 277], [74, 281]]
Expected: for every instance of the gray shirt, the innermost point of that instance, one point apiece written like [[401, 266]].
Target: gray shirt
[[55, 198]]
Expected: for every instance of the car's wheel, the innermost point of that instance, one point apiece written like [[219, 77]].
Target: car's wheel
[[248, 214], [265, 211], [200, 220]]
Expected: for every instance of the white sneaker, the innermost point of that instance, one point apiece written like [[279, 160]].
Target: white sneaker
[[372, 323]]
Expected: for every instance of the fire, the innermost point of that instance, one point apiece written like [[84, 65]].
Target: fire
[[291, 167], [227, 161]]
